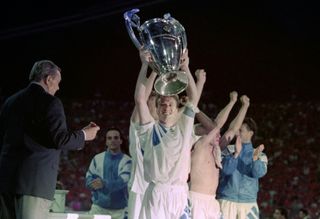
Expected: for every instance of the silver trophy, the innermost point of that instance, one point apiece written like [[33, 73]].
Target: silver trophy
[[165, 39]]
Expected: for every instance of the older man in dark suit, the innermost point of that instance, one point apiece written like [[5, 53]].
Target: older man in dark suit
[[33, 132]]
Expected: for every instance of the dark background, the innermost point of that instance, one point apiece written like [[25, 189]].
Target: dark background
[[268, 50]]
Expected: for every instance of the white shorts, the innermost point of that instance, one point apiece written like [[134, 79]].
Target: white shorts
[[165, 201], [134, 205], [235, 210], [204, 206]]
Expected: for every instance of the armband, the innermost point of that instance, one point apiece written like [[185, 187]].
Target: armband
[[195, 109]]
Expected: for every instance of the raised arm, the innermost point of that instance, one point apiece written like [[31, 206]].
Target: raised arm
[[148, 90], [193, 96], [236, 123], [140, 91], [149, 84], [221, 118], [201, 79]]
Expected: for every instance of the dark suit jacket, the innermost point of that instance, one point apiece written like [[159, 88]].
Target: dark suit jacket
[[33, 132]]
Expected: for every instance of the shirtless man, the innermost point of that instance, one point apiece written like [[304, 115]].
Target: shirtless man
[[206, 160], [205, 165]]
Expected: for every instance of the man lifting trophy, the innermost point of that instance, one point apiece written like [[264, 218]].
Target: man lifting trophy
[[165, 39]]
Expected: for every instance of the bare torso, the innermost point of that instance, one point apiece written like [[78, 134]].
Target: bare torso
[[204, 174]]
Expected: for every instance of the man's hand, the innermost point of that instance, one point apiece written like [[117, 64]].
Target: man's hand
[[91, 131], [257, 152], [245, 100], [184, 63], [96, 184], [233, 96], [145, 56], [200, 75]]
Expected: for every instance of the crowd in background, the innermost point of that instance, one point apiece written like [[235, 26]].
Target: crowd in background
[[289, 130]]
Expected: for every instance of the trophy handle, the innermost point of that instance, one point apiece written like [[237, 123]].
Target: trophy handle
[[133, 20]]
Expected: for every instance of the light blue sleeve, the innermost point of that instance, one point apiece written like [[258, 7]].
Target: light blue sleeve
[[91, 173], [229, 164], [259, 167]]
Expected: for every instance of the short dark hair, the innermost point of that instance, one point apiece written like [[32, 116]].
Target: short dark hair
[[115, 129], [251, 125], [124, 145], [41, 69]]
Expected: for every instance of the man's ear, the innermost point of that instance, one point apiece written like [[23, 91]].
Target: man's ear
[[47, 79]]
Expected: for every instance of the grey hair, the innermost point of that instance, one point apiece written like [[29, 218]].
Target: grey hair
[[41, 69]]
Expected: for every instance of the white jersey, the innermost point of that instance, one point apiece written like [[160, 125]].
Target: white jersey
[[167, 150], [136, 183]]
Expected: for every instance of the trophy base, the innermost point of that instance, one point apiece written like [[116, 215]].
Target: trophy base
[[171, 83]]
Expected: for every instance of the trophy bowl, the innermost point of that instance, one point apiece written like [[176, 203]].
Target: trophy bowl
[[165, 39]]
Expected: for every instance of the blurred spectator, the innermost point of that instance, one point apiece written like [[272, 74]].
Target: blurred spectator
[[280, 213], [303, 214]]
